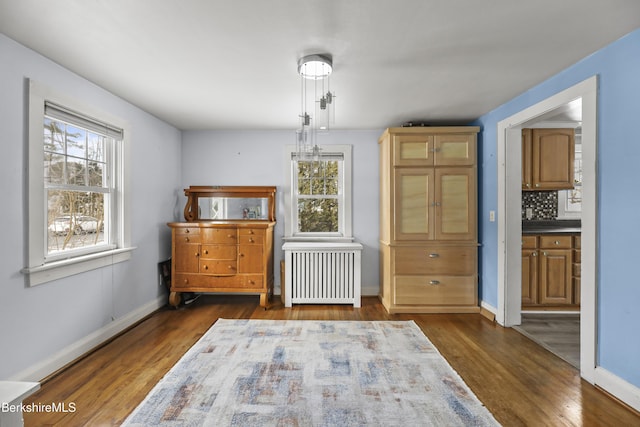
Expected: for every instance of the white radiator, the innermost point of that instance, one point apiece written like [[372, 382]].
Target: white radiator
[[322, 273]]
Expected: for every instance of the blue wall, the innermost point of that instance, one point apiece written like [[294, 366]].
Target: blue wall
[[618, 280]]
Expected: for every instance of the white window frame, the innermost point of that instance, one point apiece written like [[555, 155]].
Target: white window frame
[[39, 269], [344, 233]]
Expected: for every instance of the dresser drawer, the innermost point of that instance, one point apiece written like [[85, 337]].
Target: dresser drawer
[[218, 267], [251, 236], [200, 282], [555, 242], [226, 252], [435, 290], [435, 260], [187, 235], [227, 236]]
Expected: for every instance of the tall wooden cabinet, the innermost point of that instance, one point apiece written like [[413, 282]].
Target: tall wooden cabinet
[[428, 220], [226, 245]]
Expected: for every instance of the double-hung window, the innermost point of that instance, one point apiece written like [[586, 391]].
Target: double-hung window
[[320, 196], [77, 185]]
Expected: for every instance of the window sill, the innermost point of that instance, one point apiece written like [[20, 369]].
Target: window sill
[[59, 269]]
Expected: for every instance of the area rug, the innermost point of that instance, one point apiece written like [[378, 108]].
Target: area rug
[[311, 373]]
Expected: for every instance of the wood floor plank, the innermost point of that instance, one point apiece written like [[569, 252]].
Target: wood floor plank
[[521, 383]]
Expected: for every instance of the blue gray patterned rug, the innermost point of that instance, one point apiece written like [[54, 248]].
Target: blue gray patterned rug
[[311, 373]]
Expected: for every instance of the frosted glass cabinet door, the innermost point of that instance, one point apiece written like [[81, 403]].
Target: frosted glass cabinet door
[[455, 204], [414, 204]]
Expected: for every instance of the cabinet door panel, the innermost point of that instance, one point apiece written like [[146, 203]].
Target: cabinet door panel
[[455, 196], [250, 259], [555, 276], [414, 204], [553, 157], [529, 276], [455, 150], [186, 257], [413, 150]]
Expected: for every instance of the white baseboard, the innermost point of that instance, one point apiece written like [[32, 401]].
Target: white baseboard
[[616, 386], [72, 352], [488, 307]]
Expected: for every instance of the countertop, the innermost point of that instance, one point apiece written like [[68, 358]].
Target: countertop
[[558, 226]]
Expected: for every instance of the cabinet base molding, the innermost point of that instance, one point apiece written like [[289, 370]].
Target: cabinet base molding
[[433, 309]]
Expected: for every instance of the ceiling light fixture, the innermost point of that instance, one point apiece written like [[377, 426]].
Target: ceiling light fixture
[[316, 104]]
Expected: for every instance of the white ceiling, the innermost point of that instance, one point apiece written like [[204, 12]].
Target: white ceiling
[[231, 64]]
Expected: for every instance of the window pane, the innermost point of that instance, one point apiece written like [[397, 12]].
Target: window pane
[[75, 171], [331, 187], [317, 186], [95, 147], [76, 141], [304, 186], [53, 136], [318, 215], [96, 171], [331, 169], [75, 219], [53, 168]]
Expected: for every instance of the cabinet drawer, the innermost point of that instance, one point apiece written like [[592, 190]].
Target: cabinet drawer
[[226, 252], [435, 290], [204, 282], [218, 267], [220, 235], [251, 239], [555, 242], [187, 235], [529, 242], [453, 261]]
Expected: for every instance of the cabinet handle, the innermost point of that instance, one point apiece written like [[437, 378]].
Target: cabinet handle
[[544, 253], [528, 185], [434, 255], [186, 239], [557, 242], [251, 240], [251, 232], [197, 254], [434, 282], [241, 254], [537, 185], [206, 252], [186, 230], [206, 267], [186, 281], [534, 254], [230, 235], [251, 282], [230, 267]]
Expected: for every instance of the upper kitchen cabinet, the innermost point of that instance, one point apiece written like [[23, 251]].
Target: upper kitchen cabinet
[[547, 159]]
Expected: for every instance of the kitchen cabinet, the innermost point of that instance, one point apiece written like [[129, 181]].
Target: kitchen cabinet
[[428, 230], [548, 271], [548, 159]]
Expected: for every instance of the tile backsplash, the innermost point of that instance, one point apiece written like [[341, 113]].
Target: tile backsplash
[[543, 204]]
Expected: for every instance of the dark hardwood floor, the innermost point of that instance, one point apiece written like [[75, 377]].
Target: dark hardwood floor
[[521, 383]]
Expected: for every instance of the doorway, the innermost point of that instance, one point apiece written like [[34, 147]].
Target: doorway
[[509, 215]]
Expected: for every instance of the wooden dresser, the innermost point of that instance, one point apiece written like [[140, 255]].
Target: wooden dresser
[[428, 220], [226, 244]]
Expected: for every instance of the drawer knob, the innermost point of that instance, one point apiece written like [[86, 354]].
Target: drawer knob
[[251, 239], [186, 281], [206, 267], [434, 255], [251, 282], [557, 242], [186, 230], [197, 254], [241, 254], [186, 239], [206, 251], [229, 235], [434, 282], [534, 254], [230, 267]]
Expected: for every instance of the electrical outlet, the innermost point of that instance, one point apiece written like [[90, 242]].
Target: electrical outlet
[[492, 216], [528, 212]]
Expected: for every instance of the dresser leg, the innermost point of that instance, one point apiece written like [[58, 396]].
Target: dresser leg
[[175, 298], [264, 299]]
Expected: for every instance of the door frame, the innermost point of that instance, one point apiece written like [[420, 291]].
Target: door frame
[[509, 153]]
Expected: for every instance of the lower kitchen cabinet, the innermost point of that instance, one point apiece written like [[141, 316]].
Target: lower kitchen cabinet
[[548, 271]]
